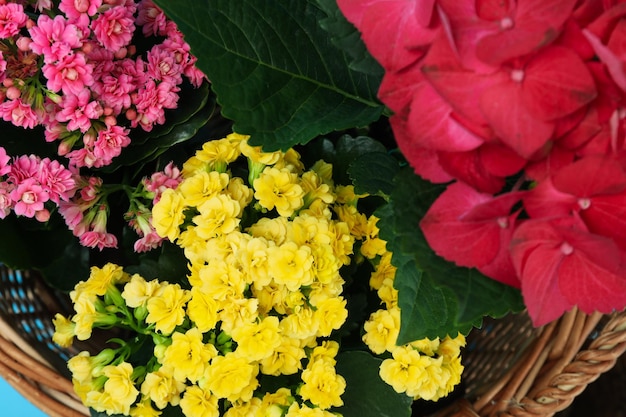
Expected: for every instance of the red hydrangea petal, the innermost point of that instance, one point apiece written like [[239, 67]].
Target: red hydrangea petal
[[500, 160], [425, 162], [591, 287], [606, 215], [613, 63], [590, 176], [393, 49], [473, 240], [458, 86], [558, 158], [535, 24], [501, 267], [493, 9], [536, 255], [556, 83], [469, 168], [516, 127], [430, 122], [544, 201]]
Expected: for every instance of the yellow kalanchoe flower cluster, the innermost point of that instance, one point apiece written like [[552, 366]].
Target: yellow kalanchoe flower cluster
[[264, 294], [263, 297], [424, 369]]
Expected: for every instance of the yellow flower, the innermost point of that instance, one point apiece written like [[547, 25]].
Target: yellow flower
[[81, 366], [356, 221], [406, 371], [167, 214], [286, 358], [381, 330], [138, 291], [144, 409], [274, 230], [250, 408], [322, 291], [63, 330], [201, 186], [237, 312], [303, 410], [197, 402], [253, 259], [331, 314], [327, 351], [256, 155], [322, 385], [188, 356], [388, 294], [309, 230], [301, 324], [161, 387], [232, 377], [326, 265], [290, 160], [451, 347], [372, 245], [291, 264], [120, 386], [99, 282], [87, 316], [256, 341], [202, 310], [272, 404], [167, 308], [217, 154], [271, 296], [101, 401], [315, 189], [346, 195], [426, 346], [342, 242], [279, 189], [239, 192], [218, 216], [219, 280], [384, 270], [192, 166]]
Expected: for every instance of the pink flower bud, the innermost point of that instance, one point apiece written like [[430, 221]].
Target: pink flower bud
[[131, 114], [42, 215], [23, 43], [13, 93], [110, 121]]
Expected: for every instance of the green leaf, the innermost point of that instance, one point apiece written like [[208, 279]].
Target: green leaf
[[426, 281], [344, 152], [275, 71], [345, 36], [372, 173], [366, 394]]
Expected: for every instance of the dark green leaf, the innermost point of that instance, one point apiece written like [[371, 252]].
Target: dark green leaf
[[346, 37], [276, 73], [429, 280], [372, 173], [345, 151], [366, 394], [68, 269]]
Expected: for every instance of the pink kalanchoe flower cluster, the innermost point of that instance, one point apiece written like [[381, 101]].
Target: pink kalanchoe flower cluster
[[74, 68], [76, 71], [28, 183], [530, 91]]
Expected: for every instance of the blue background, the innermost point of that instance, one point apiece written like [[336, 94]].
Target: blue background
[[13, 404]]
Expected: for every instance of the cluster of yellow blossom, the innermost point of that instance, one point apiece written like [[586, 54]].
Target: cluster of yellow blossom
[[424, 369], [265, 293], [265, 240]]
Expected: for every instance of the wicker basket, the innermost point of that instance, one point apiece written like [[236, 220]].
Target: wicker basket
[[512, 369]]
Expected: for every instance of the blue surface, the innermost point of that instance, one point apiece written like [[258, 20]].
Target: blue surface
[[13, 404]]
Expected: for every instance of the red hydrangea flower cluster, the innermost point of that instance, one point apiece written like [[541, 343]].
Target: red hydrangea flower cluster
[[76, 71], [28, 182], [523, 105]]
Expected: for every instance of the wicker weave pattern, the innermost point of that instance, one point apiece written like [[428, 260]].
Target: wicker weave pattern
[[553, 368], [27, 353]]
